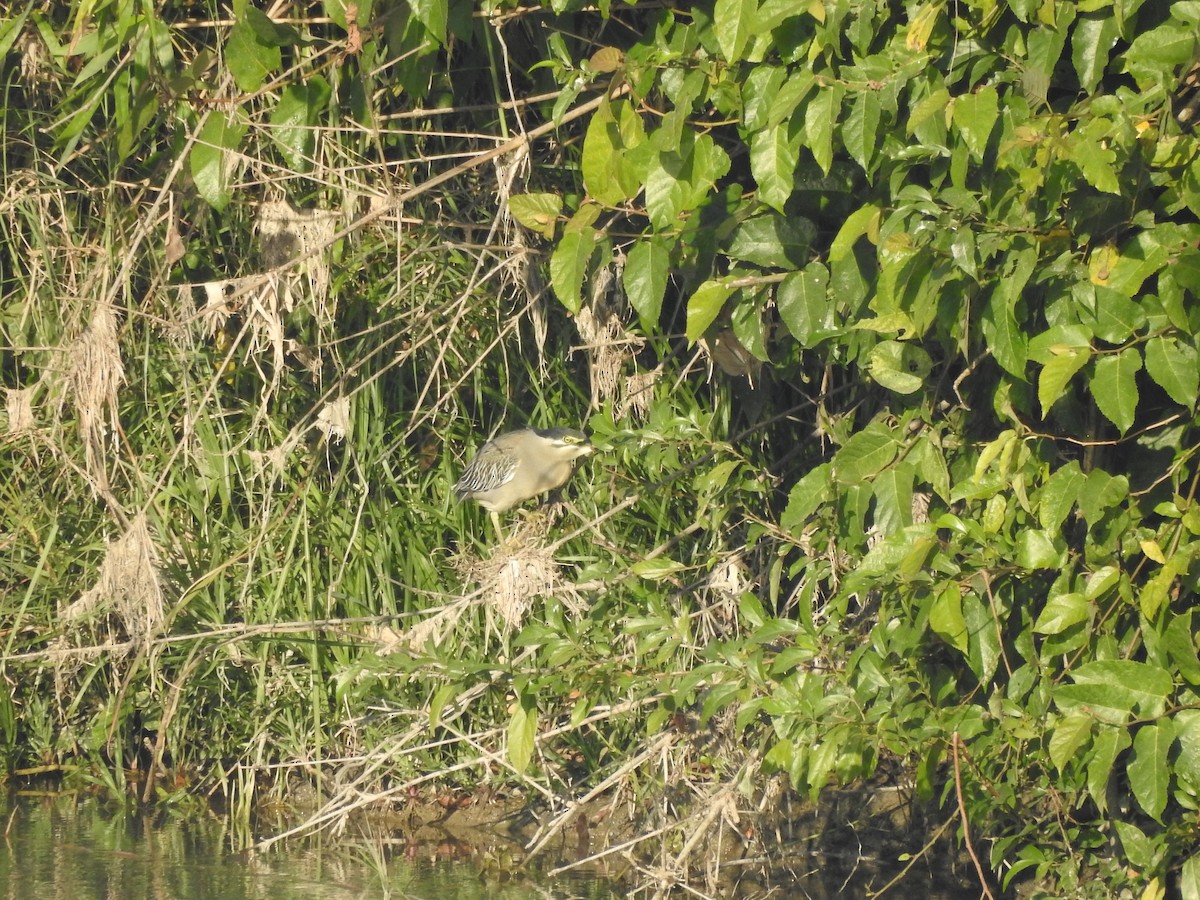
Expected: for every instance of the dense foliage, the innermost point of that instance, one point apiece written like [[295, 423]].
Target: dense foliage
[[934, 500]]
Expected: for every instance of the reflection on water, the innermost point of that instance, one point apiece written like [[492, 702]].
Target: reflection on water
[[69, 847], [65, 848]]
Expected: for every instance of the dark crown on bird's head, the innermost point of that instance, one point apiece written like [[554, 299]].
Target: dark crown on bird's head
[[566, 437]]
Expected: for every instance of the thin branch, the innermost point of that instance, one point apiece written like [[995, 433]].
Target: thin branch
[[955, 743]]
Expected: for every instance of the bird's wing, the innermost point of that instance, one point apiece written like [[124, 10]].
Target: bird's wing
[[491, 468]]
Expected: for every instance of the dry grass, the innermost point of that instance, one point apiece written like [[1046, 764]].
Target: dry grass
[[250, 421]]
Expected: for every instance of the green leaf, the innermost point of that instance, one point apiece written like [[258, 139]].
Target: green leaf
[[1187, 734], [759, 92], [983, 649], [294, 118], [1099, 492], [1035, 550], [927, 108], [1111, 316], [930, 461], [864, 220], [1090, 149], [704, 306], [1057, 374], [747, 322], [888, 557], [441, 697], [774, 12], [807, 495], [892, 490], [780, 757], [994, 514], [773, 241], [657, 569], [946, 617], [1110, 742], [899, 366], [249, 59], [963, 252], [999, 448], [823, 757], [679, 179], [601, 159], [860, 131], [1122, 685], [1059, 340], [569, 265], [865, 455], [1107, 703], [645, 279], [1184, 271], [1091, 42], [214, 158], [609, 173], [11, 29], [820, 119], [975, 116], [1070, 733], [1180, 643], [1003, 336], [774, 153], [1139, 849], [268, 32], [783, 105], [1100, 581], [1045, 46], [1061, 612], [1154, 593], [537, 212], [522, 729], [805, 306], [1175, 368], [1189, 878], [433, 14], [1155, 55], [1114, 387], [1126, 271], [735, 23], [1149, 770], [1059, 495]]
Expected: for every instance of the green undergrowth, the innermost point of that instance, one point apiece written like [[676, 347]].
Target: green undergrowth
[[882, 318]]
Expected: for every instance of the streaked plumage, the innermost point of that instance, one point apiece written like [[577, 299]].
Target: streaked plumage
[[519, 465]]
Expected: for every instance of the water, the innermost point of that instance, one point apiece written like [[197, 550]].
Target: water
[[65, 848], [75, 847]]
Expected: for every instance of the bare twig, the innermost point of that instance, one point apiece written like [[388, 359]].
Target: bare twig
[[955, 743]]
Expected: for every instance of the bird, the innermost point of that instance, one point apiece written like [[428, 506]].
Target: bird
[[519, 465]]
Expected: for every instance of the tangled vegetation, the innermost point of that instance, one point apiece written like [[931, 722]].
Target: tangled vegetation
[[882, 315]]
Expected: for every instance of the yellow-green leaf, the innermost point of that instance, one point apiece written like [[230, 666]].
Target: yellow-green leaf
[[946, 618], [704, 306], [1057, 374], [1114, 387], [975, 116], [568, 265], [645, 279], [864, 220], [522, 729], [537, 212], [1173, 366]]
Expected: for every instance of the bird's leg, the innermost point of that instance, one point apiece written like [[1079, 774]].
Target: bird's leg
[[495, 516], [555, 504]]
